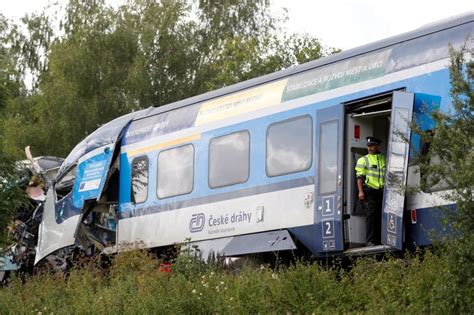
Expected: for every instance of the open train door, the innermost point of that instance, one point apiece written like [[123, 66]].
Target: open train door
[[329, 165], [396, 171]]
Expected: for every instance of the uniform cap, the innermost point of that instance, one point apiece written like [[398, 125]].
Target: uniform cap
[[373, 140]]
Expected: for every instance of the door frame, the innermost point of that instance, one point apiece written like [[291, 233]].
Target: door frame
[[328, 205]]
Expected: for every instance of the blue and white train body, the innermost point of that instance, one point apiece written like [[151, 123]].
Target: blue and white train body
[[264, 165]]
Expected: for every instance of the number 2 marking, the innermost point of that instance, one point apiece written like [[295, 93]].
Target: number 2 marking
[[328, 228]]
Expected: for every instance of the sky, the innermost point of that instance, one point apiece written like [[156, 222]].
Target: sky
[[337, 23]]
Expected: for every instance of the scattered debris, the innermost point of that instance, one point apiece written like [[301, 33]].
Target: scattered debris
[[23, 229], [57, 229]]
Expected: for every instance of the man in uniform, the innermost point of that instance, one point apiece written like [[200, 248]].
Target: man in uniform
[[370, 172]]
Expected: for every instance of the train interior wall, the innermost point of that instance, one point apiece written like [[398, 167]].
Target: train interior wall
[[361, 122]]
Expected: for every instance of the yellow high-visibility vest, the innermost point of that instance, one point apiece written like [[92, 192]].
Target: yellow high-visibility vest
[[372, 168]]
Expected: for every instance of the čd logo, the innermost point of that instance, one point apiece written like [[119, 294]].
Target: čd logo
[[197, 222]]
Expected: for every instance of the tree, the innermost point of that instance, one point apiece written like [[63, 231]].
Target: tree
[[10, 80], [450, 159], [111, 61], [12, 194]]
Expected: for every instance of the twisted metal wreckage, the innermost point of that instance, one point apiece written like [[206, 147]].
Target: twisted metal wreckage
[[37, 241], [65, 221], [23, 228]]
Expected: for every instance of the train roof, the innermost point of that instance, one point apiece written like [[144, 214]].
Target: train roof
[[419, 32]]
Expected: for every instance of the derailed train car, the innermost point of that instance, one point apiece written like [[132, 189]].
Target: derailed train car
[[264, 165]]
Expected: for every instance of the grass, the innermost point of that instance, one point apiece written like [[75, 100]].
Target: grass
[[134, 284]]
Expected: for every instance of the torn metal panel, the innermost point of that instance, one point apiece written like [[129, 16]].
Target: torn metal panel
[[51, 235], [46, 167], [82, 176], [105, 135], [259, 243], [92, 170], [7, 264], [49, 168], [209, 248], [61, 218], [35, 167], [244, 244]]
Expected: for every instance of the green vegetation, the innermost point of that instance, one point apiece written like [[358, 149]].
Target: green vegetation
[[111, 61], [12, 195], [135, 285], [450, 160], [92, 62]]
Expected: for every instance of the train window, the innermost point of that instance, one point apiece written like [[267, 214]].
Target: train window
[[328, 158], [176, 171], [289, 146], [66, 183], [431, 182], [140, 179], [229, 159]]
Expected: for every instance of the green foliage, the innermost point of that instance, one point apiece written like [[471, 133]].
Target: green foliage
[[450, 157], [450, 161], [10, 84], [12, 194], [458, 171], [12, 197], [105, 62], [420, 283]]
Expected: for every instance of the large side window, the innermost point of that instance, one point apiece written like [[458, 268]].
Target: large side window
[[229, 159], [140, 179], [176, 171], [289, 146]]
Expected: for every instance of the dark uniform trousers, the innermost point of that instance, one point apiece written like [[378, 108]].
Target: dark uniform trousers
[[373, 206]]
